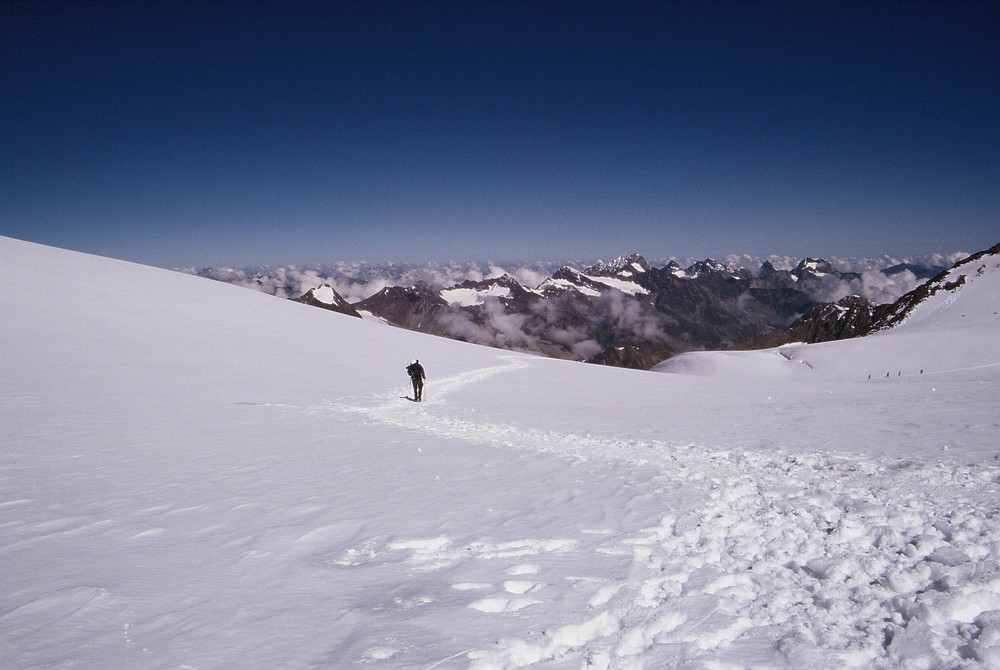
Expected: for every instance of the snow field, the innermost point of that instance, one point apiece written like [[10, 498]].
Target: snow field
[[197, 476]]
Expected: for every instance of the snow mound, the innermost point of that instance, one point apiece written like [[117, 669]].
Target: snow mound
[[768, 364]]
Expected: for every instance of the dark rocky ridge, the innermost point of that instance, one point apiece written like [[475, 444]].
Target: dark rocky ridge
[[628, 313]]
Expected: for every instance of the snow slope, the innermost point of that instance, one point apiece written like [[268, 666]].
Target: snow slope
[[193, 475]]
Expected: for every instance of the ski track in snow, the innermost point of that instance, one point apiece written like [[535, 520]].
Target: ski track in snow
[[819, 560]]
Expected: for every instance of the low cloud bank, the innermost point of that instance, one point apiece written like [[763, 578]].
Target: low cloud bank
[[357, 281], [560, 326]]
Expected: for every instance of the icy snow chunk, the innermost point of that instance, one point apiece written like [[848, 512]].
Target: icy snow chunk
[[577, 635], [970, 601], [989, 628], [500, 605], [829, 568], [640, 638], [430, 544], [948, 556], [378, 654], [908, 580], [733, 584], [520, 587]]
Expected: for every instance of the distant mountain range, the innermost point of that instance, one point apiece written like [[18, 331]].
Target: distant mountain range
[[628, 313]]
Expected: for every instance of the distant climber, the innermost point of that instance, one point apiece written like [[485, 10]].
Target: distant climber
[[416, 372]]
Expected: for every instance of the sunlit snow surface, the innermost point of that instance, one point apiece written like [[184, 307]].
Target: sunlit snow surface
[[193, 475], [623, 285], [565, 284], [467, 297], [325, 294]]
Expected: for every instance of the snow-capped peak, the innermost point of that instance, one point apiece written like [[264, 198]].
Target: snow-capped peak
[[470, 292], [813, 268], [623, 265], [598, 278], [324, 294], [707, 267]]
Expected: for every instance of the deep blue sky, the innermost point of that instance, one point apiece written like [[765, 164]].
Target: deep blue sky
[[203, 133]]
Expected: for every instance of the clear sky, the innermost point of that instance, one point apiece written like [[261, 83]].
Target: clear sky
[[208, 133]]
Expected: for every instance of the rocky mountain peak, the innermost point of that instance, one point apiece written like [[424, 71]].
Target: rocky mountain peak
[[767, 269], [673, 268], [507, 281], [707, 267], [326, 296], [812, 268], [626, 266]]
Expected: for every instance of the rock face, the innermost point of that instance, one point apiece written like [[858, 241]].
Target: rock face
[[631, 357], [418, 307], [713, 307], [326, 296], [848, 317]]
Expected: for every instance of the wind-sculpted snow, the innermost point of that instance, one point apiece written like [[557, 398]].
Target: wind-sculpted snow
[[213, 478]]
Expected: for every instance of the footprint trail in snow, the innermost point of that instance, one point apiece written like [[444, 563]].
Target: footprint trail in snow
[[816, 560]]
